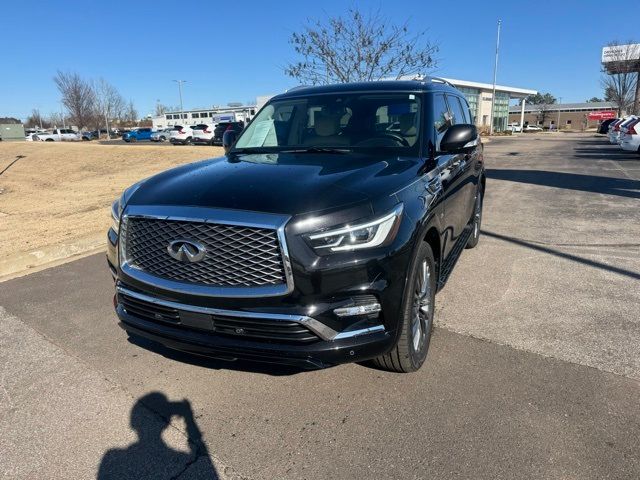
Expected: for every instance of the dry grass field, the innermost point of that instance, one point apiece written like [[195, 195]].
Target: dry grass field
[[55, 199]]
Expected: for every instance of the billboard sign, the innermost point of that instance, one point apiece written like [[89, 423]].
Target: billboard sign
[[601, 115], [621, 53]]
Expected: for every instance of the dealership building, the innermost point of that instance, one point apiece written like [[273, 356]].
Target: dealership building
[[479, 96], [570, 116]]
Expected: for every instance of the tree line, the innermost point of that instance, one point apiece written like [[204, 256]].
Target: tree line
[[92, 104]]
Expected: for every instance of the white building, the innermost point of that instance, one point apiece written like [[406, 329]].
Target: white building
[[208, 116], [480, 98]]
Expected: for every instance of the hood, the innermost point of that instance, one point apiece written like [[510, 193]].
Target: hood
[[282, 183]]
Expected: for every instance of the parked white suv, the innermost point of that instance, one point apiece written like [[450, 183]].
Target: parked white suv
[[203, 134], [181, 135], [514, 127]]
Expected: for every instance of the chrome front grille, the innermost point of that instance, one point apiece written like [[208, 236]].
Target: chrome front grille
[[237, 256]]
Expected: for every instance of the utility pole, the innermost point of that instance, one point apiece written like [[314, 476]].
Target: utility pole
[[495, 77], [559, 105], [180, 82]]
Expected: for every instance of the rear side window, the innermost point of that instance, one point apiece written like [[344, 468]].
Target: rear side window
[[456, 110], [441, 116]]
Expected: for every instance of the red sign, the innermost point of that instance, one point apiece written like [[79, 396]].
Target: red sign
[[601, 115]]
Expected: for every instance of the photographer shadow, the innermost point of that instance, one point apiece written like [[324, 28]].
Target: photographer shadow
[[150, 457]]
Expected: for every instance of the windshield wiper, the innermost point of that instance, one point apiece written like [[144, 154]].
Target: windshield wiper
[[318, 150], [248, 150]]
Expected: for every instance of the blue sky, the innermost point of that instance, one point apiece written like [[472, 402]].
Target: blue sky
[[234, 51]]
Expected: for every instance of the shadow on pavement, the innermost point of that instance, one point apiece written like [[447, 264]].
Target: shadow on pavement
[[150, 457], [567, 256], [587, 183], [273, 369]]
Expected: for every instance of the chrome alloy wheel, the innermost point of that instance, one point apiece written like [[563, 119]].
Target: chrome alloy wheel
[[421, 319]]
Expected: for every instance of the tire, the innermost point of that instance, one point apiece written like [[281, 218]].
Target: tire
[[49, 140], [134, 139], [188, 141], [163, 139], [416, 322], [476, 221]]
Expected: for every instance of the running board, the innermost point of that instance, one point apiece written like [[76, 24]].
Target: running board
[[447, 267]]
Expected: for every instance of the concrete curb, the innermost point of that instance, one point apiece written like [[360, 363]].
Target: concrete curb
[[25, 263]]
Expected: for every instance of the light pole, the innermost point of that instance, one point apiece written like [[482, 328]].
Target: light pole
[[180, 82], [495, 77], [559, 106]]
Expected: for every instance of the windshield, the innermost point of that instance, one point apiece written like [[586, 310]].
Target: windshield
[[385, 123]]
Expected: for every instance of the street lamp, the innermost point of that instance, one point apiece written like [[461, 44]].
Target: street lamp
[[495, 77], [180, 82]]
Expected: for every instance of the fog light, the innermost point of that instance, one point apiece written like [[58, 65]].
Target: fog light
[[358, 310]]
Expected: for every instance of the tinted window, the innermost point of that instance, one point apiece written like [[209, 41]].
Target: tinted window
[[456, 110], [195, 115], [441, 116]]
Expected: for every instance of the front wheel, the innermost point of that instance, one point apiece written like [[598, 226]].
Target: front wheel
[[416, 322], [476, 221]]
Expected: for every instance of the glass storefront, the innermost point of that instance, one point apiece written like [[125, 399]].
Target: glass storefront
[[472, 95], [501, 112]]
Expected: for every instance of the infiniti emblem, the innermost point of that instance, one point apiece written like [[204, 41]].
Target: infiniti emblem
[[186, 250]]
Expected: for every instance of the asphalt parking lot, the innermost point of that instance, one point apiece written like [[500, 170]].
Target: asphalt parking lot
[[533, 372]]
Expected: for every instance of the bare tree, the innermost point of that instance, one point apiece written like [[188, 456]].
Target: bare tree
[[109, 102], [130, 113], [77, 96], [36, 120], [358, 48], [621, 88]]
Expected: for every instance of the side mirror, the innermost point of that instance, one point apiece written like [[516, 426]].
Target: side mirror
[[228, 139], [457, 137]]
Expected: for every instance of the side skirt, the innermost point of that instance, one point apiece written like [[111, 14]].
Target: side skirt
[[447, 266]]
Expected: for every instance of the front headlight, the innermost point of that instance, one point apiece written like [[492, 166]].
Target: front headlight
[[118, 206], [115, 215], [356, 237]]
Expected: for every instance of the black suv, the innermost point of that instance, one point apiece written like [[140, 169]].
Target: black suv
[[222, 127], [320, 238]]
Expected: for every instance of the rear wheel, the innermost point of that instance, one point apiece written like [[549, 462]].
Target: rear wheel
[[416, 322], [163, 139], [188, 141], [476, 221], [49, 140]]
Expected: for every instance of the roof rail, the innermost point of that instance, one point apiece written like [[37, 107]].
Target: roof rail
[[297, 87], [441, 80], [423, 78]]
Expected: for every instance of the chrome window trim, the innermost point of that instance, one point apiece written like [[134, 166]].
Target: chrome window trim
[[323, 331], [214, 216]]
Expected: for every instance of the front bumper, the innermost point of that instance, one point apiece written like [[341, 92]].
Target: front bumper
[[320, 286], [196, 340]]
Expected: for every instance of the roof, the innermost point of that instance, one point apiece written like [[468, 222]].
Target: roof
[[514, 92], [587, 106], [424, 85]]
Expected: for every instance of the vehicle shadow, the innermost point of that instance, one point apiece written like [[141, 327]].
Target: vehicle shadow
[[272, 369], [551, 251], [150, 457], [621, 187]]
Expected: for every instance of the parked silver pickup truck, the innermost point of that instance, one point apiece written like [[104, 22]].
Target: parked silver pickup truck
[[58, 135]]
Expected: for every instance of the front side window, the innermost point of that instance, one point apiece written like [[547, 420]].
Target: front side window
[[457, 113], [441, 115], [378, 123]]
